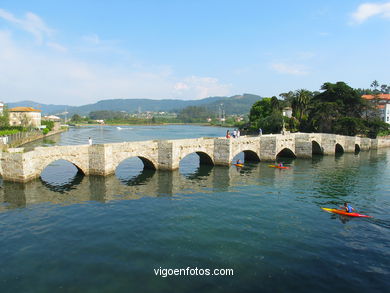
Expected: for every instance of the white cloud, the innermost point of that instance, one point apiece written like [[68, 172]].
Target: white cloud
[[368, 10], [291, 69], [200, 87], [57, 47], [92, 39], [87, 72], [49, 76], [31, 23]]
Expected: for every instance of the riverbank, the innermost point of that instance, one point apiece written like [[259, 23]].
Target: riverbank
[[36, 137], [152, 124]]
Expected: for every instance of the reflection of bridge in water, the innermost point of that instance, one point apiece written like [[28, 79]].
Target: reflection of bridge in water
[[21, 165], [161, 183]]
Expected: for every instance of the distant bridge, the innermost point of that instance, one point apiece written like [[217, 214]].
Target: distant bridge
[[102, 159]]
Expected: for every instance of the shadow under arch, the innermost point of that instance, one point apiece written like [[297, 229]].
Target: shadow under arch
[[191, 164], [286, 153], [135, 170], [61, 176], [141, 179], [316, 149], [205, 159], [251, 156], [339, 149], [201, 172], [148, 164], [357, 149]]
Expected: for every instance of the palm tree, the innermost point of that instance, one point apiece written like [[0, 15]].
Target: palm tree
[[301, 102]]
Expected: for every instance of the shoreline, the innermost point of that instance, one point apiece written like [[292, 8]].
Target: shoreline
[[151, 124], [35, 138]]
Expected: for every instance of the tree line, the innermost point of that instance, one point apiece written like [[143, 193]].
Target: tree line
[[337, 108]]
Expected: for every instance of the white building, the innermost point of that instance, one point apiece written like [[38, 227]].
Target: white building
[[287, 112], [386, 113], [24, 116]]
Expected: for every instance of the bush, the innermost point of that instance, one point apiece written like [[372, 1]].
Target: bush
[[49, 124], [45, 131], [8, 132]]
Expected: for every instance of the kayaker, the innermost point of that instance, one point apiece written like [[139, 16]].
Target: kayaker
[[347, 207], [280, 164], [238, 162]]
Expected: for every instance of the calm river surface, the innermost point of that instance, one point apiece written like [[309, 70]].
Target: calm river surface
[[70, 233]]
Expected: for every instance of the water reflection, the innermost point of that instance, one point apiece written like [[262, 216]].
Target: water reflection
[[61, 176], [331, 181]]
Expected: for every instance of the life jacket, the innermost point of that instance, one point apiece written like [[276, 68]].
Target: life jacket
[[349, 209]]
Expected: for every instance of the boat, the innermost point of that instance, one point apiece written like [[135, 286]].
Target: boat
[[239, 165], [344, 213], [278, 167]]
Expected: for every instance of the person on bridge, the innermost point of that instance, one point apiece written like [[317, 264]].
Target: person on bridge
[[227, 134], [90, 141]]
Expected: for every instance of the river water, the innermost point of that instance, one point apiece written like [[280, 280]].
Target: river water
[[66, 232]]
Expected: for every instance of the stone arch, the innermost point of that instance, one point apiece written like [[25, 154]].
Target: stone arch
[[148, 163], [339, 148], [286, 152], [204, 158], [249, 155], [43, 166], [316, 148], [357, 148]]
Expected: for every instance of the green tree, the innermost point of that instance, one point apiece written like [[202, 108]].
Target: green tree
[[300, 103], [192, 114], [76, 118], [266, 114], [4, 119]]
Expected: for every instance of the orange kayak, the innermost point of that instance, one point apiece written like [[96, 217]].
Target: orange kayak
[[239, 165], [344, 213], [279, 167]]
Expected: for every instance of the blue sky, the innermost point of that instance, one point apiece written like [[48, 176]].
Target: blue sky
[[79, 52]]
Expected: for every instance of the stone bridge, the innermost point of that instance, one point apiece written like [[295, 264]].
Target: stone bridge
[[102, 159]]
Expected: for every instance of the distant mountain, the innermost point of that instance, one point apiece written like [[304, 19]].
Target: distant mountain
[[46, 109], [239, 104]]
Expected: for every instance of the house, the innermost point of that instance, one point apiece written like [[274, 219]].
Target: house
[[287, 111], [51, 118], [383, 104], [1, 108], [24, 116]]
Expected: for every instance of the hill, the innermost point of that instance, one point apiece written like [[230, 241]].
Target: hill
[[238, 104]]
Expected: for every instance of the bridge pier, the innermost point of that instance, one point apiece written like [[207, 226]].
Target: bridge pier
[[222, 152], [303, 146], [100, 160], [268, 147]]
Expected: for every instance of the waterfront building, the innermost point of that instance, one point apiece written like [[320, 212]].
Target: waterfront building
[[25, 116], [51, 118], [383, 105], [1, 108], [287, 112]]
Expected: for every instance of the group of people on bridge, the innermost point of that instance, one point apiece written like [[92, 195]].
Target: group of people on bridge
[[235, 134]]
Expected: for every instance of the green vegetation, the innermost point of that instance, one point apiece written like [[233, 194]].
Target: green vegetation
[[49, 125], [8, 132], [338, 108], [194, 114], [4, 119]]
